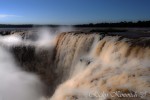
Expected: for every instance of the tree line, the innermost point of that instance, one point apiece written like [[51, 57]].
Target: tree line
[[118, 24], [106, 24]]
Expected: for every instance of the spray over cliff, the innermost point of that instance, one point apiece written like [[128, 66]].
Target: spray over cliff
[[89, 66]]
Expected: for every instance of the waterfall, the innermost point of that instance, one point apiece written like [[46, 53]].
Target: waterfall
[[87, 63], [84, 66]]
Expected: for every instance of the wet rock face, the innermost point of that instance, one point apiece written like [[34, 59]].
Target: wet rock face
[[5, 33], [24, 54], [87, 61], [36, 61]]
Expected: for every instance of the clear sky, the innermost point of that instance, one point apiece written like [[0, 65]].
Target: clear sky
[[72, 11]]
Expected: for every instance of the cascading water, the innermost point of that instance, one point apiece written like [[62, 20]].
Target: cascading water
[[96, 63], [81, 66]]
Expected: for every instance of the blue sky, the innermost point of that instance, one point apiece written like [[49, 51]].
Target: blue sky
[[72, 11]]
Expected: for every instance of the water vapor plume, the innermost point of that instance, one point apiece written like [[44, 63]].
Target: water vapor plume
[[16, 84]]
